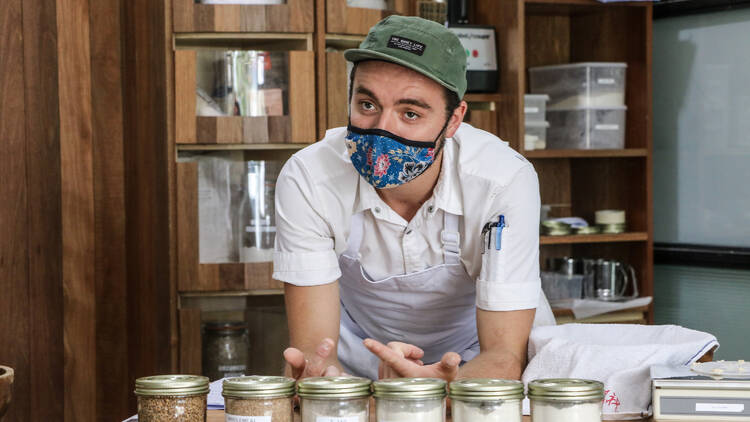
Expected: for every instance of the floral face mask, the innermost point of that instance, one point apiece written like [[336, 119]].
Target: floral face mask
[[386, 160]]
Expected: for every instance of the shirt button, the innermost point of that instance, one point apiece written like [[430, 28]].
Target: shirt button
[[377, 210], [430, 209], [408, 231]]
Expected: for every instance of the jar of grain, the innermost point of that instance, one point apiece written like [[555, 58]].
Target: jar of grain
[[225, 349], [410, 400], [258, 398], [486, 400], [172, 398], [566, 400], [340, 399]]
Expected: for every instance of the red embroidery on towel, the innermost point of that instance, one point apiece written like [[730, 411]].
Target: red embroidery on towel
[[611, 399]]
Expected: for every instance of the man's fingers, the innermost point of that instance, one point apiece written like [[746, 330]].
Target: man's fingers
[[332, 371], [296, 360], [409, 351], [391, 357], [315, 365], [450, 361]]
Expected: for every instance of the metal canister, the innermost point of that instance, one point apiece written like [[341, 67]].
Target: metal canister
[[328, 398], [172, 398], [485, 399], [566, 399], [410, 400], [259, 397]]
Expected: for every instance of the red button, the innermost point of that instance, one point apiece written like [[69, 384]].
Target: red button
[[475, 53]]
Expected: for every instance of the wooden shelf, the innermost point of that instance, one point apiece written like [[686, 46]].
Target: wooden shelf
[[238, 147], [594, 238], [244, 40], [483, 98], [236, 293], [585, 3], [587, 153], [343, 41]]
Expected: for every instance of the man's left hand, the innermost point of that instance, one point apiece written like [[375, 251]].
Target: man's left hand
[[399, 360]]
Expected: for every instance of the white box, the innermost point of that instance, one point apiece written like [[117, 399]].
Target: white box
[[535, 107], [594, 84], [535, 136], [587, 128]]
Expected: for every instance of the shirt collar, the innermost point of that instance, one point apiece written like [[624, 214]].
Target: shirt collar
[[446, 195]]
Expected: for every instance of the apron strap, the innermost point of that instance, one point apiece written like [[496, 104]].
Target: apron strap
[[451, 239], [356, 229]]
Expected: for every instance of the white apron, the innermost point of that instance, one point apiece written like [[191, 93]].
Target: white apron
[[433, 309]]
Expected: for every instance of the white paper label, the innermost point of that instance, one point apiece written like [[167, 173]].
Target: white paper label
[[605, 81], [529, 110], [720, 407], [480, 47], [337, 419], [236, 418], [607, 127]]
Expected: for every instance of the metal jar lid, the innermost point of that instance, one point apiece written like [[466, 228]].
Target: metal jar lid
[[334, 387], [225, 327], [171, 385], [409, 388], [486, 389], [566, 389], [615, 228], [258, 386], [587, 230]]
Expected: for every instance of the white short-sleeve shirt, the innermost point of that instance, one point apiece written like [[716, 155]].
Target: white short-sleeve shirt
[[481, 178]]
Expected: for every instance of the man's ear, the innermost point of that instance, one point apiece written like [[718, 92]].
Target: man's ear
[[456, 118]]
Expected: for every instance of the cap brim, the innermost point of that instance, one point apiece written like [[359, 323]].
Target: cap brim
[[359, 54]]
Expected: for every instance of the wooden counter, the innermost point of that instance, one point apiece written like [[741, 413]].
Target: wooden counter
[[218, 416]]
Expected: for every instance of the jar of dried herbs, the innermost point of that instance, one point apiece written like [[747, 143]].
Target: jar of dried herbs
[[225, 349], [172, 398], [258, 398], [339, 399]]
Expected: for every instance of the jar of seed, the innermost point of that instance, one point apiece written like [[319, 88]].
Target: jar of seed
[[486, 400], [225, 349], [410, 400], [339, 399], [258, 399], [172, 398], [566, 400]]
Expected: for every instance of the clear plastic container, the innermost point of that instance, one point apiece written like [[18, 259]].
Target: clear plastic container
[[593, 84], [566, 400], [558, 286], [535, 136], [534, 107], [587, 128]]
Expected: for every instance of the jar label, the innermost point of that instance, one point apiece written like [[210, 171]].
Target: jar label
[[606, 81], [237, 418], [337, 419], [232, 368]]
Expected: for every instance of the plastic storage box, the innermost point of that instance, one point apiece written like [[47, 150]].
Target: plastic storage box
[[560, 286], [534, 107], [580, 84], [536, 135], [587, 128]]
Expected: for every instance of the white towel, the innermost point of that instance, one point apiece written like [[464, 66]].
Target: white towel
[[618, 355]]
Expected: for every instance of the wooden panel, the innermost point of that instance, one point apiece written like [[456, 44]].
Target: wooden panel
[[76, 161], [258, 277], [14, 281], [43, 211], [109, 189], [294, 16], [302, 96], [243, 130], [184, 86], [187, 226], [268, 334], [190, 341], [484, 119], [554, 185], [337, 93], [342, 19], [595, 238], [507, 17]]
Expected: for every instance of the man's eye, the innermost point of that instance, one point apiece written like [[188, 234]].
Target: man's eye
[[411, 115], [367, 106]]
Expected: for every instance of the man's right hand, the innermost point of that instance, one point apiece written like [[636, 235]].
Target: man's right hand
[[318, 365]]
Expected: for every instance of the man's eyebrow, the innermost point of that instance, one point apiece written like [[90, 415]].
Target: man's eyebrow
[[365, 91], [415, 102]]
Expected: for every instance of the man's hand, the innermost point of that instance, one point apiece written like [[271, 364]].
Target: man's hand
[[404, 360], [300, 367]]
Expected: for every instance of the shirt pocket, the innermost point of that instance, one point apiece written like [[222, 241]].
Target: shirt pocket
[[493, 256]]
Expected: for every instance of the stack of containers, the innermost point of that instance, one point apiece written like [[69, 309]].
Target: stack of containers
[[587, 104], [535, 121]]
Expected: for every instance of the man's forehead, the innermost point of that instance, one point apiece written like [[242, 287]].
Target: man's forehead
[[369, 76]]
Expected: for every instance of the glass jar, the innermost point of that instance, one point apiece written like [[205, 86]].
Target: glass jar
[[259, 398], [410, 400], [172, 398], [566, 400], [486, 400], [225, 349], [339, 399]]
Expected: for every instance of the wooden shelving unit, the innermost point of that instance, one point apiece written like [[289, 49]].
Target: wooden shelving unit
[[529, 33]]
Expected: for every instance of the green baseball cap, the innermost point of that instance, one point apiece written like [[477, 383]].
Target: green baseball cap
[[419, 44]]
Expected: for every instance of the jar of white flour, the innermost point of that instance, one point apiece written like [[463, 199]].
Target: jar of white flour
[[486, 400], [566, 400], [410, 400]]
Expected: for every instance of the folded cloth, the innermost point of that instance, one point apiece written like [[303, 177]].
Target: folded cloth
[[618, 355], [586, 308]]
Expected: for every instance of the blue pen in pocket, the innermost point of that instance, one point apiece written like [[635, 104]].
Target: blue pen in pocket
[[499, 233]]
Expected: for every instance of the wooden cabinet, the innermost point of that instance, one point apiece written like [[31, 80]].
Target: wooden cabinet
[[292, 16]]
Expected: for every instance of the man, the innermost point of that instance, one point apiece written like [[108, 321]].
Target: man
[[408, 241]]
